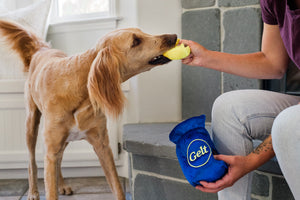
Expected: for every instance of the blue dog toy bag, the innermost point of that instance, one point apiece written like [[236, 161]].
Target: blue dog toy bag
[[195, 151]]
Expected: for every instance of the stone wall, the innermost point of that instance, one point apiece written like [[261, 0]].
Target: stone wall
[[231, 26], [155, 174]]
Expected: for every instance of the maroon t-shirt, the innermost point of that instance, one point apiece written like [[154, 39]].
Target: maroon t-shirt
[[284, 14]]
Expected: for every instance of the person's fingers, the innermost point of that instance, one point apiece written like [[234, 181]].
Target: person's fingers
[[218, 185], [187, 42], [188, 59], [203, 189], [208, 190]]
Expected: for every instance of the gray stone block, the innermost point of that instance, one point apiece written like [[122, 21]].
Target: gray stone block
[[281, 189], [149, 139], [243, 29], [232, 82], [260, 185], [202, 26], [233, 3], [187, 4], [200, 86], [153, 188], [162, 166]]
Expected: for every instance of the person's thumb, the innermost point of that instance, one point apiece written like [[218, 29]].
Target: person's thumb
[[225, 158]]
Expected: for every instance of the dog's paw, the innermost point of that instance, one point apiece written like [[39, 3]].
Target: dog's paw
[[33, 196], [65, 190]]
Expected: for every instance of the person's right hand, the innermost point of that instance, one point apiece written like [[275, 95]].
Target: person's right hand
[[197, 53], [238, 166]]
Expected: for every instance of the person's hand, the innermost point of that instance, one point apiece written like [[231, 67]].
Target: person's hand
[[238, 166], [197, 53]]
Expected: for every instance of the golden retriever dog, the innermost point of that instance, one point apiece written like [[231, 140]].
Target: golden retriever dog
[[75, 93]]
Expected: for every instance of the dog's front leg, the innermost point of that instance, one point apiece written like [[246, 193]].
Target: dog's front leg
[[62, 187], [99, 139], [54, 143]]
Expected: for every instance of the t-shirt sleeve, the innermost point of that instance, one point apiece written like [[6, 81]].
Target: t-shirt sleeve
[[267, 12]]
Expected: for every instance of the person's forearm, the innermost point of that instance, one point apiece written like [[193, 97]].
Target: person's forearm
[[259, 156], [254, 65]]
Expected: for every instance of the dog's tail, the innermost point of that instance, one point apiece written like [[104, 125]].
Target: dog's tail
[[24, 42]]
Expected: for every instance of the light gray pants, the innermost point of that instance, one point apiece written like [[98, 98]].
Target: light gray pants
[[240, 116]]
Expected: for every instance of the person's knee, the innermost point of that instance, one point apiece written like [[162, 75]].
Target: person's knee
[[225, 111], [225, 105], [285, 127], [220, 106], [227, 128]]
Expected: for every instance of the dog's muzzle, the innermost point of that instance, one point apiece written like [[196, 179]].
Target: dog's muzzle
[[159, 60]]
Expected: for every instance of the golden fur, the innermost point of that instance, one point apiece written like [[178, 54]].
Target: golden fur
[[74, 93]]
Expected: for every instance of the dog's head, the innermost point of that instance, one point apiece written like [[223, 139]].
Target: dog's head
[[122, 54]]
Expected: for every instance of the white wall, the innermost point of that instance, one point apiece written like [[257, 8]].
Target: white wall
[[154, 96], [23, 3]]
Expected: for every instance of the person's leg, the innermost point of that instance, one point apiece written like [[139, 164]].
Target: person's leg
[[286, 144], [240, 116]]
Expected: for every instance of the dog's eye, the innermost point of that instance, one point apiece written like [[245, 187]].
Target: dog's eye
[[136, 41]]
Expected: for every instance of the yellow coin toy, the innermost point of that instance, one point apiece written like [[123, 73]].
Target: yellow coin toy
[[178, 52]]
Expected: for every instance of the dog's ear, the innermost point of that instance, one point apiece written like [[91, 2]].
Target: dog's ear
[[104, 83]]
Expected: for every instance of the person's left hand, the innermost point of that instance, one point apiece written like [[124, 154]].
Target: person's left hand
[[237, 168]]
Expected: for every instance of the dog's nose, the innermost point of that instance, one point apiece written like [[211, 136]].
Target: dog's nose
[[169, 39]]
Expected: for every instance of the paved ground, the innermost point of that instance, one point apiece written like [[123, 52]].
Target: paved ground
[[83, 188]]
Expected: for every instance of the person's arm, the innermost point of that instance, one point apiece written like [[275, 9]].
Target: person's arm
[[270, 63], [240, 166]]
